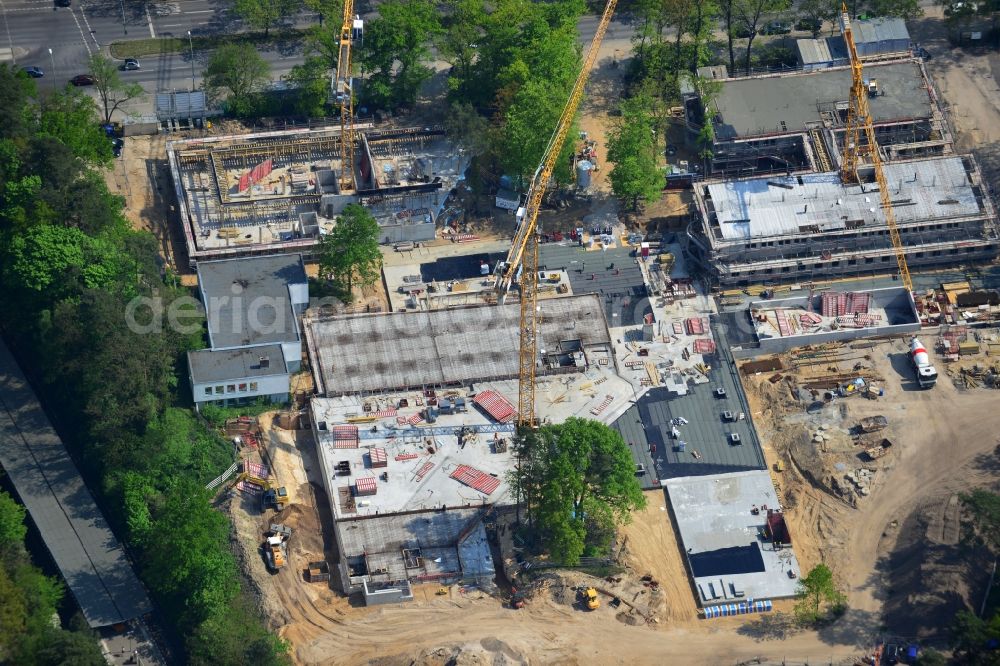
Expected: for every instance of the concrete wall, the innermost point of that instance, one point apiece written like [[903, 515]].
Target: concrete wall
[[274, 387], [901, 319], [395, 594]]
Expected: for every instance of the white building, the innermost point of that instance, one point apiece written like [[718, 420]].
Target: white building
[[255, 343]]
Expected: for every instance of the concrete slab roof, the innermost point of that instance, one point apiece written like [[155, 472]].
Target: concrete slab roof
[[724, 541], [823, 50], [208, 366], [921, 190], [73, 528], [612, 274], [419, 465], [881, 29], [385, 352], [247, 300], [783, 104]]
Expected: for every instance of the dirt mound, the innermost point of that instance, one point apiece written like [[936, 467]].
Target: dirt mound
[[489, 652]]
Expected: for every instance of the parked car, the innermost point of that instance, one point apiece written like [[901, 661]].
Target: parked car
[[891, 654], [117, 145], [921, 52], [82, 80], [64, 3], [33, 72], [129, 65], [809, 25], [777, 28]]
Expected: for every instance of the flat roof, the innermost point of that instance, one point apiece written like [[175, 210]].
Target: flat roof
[[384, 352], [881, 29], [822, 50], [217, 365], [420, 459], [723, 540], [74, 530], [787, 103], [247, 300], [811, 203], [612, 273]]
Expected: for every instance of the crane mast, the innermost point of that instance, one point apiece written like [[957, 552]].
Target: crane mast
[[523, 254], [344, 95], [859, 119]]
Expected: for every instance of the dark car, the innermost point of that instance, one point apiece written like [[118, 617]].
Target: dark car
[[33, 72], [64, 3], [809, 25], [82, 80], [921, 52], [891, 654], [117, 145], [129, 65], [777, 28]]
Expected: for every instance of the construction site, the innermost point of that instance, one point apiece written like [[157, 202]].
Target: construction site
[[787, 199], [280, 192]]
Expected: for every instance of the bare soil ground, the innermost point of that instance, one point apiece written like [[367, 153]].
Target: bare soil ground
[[897, 550]]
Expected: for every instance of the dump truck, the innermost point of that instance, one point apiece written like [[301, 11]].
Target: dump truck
[[872, 423], [276, 553], [590, 598]]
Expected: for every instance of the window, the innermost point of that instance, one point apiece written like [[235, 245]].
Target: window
[[243, 388], [208, 390], [253, 386], [230, 388], [219, 390]]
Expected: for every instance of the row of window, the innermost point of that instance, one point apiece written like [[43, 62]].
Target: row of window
[[231, 388], [882, 232], [850, 262]]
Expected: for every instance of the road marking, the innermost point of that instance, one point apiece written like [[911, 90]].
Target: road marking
[[82, 34], [93, 34], [201, 11], [149, 20]]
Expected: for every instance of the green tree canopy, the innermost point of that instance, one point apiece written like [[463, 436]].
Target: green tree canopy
[[235, 72], [265, 14], [632, 149], [576, 480], [817, 591], [349, 254], [395, 51]]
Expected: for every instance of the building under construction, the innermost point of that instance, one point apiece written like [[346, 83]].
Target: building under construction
[[280, 192], [777, 206]]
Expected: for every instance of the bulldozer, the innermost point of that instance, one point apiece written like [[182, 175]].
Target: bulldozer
[[274, 497], [590, 599]]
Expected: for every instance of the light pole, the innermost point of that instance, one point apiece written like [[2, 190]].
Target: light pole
[[53, 61], [191, 44], [124, 27]]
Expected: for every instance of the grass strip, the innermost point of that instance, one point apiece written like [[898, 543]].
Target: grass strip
[[137, 48]]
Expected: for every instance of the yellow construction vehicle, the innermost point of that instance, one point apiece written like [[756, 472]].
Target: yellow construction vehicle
[[521, 265], [591, 599]]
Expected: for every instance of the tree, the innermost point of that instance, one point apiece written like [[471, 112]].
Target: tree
[[527, 126], [983, 508], [395, 50], [467, 128], [69, 117], [575, 480], [111, 90], [237, 71], [816, 591], [265, 14], [349, 254], [635, 175], [458, 42], [311, 81], [750, 13], [12, 527], [330, 11]]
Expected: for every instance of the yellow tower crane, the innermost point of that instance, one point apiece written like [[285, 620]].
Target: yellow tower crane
[[343, 94], [523, 255], [859, 118]]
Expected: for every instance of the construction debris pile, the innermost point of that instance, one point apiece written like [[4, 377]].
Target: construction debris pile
[[957, 303]]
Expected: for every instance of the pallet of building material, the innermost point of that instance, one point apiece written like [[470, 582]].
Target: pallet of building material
[[678, 328], [497, 406], [424, 469], [345, 436], [968, 348], [653, 374], [695, 326], [415, 419], [763, 365], [402, 457], [385, 413], [476, 479], [704, 346], [597, 409], [464, 238], [809, 319], [633, 365], [857, 302], [783, 328]]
